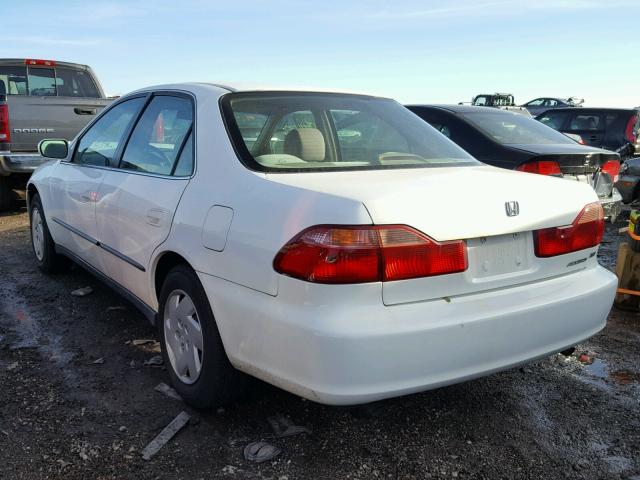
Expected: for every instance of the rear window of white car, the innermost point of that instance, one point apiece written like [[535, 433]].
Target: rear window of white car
[[292, 131]]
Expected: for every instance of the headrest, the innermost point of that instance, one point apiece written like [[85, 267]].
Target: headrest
[[305, 143]]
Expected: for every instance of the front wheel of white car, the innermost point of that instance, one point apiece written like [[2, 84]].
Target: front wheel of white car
[[42, 244], [191, 346]]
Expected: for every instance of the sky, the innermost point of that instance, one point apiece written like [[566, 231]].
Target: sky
[[416, 51]]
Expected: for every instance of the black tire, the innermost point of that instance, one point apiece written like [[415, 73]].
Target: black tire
[[7, 199], [49, 261], [218, 382]]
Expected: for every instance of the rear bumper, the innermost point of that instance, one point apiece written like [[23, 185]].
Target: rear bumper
[[345, 347], [612, 205], [19, 162]]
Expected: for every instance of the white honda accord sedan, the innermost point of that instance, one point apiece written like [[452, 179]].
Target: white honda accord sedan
[[334, 245]]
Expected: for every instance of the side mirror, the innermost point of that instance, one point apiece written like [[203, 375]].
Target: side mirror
[[54, 148]]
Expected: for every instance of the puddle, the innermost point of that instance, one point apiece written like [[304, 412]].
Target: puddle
[[601, 370], [31, 334]]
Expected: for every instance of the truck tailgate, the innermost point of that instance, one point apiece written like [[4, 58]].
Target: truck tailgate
[[34, 118]]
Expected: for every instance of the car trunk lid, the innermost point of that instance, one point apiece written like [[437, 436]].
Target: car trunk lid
[[577, 164], [464, 203]]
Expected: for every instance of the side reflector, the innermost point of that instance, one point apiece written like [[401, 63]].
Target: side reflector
[[586, 231], [542, 167], [359, 254]]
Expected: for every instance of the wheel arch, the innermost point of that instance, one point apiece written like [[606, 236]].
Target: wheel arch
[[32, 190], [164, 263]]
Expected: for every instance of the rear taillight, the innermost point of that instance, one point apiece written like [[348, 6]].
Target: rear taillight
[[629, 133], [360, 254], [541, 167], [5, 133], [585, 232], [612, 168]]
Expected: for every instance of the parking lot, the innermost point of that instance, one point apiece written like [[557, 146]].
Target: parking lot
[[78, 402]]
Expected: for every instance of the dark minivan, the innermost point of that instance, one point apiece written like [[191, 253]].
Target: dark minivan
[[508, 140], [610, 128]]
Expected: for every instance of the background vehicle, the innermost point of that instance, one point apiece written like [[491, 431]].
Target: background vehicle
[[629, 182], [504, 101], [540, 105], [40, 99], [610, 128], [317, 250], [512, 141]]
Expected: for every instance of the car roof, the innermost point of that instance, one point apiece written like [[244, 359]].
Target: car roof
[[591, 109], [21, 62], [237, 87], [463, 108]]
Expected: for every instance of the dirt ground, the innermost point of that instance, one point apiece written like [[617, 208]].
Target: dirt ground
[[64, 416]]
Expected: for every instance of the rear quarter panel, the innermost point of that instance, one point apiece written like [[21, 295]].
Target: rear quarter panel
[[266, 214]]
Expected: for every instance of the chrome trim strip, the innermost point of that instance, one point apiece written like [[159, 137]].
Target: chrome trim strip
[[106, 248], [121, 256], [75, 230]]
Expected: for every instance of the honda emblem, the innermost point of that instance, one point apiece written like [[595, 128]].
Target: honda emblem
[[512, 208]]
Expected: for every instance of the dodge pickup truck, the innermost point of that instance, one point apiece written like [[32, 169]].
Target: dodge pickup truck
[[40, 99]]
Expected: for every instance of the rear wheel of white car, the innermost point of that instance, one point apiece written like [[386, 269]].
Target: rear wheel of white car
[[42, 244], [191, 346]]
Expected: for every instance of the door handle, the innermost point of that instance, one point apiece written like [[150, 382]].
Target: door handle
[[84, 111], [156, 217]]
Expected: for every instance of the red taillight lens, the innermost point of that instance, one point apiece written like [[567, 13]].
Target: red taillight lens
[[541, 167], [629, 133], [5, 133], [359, 254], [585, 232], [612, 168]]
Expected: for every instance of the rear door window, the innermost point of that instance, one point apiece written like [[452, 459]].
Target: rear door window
[[75, 83], [159, 136], [14, 80], [554, 120], [586, 122], [100, 143], [42, 82]]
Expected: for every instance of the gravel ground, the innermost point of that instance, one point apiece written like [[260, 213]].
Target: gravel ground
[[64, 416]]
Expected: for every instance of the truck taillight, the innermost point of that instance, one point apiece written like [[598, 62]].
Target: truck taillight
[[541, 167], [44, 63], [5, 133], [612, 168], [585, 232], [362, 253]]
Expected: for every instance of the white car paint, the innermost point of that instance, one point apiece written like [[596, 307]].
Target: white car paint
[[341, 344]]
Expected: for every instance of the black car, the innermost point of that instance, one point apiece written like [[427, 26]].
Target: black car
[[508, 140], [610, 128]]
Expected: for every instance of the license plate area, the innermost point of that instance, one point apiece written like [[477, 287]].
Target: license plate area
[[499, 255]]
